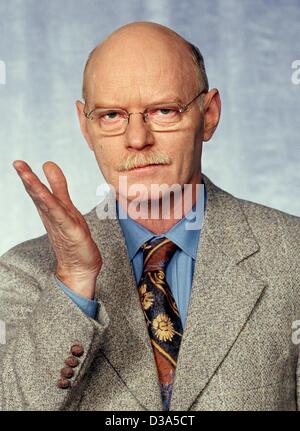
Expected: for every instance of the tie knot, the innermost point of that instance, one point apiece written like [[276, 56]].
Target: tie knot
[[157, 254]]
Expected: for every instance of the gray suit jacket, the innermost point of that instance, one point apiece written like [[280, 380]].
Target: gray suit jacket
[[236, 353]]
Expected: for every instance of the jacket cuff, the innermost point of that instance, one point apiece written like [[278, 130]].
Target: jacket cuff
[[88, 306]]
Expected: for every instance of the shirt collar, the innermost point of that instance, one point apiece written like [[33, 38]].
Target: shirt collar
[[187, 239]]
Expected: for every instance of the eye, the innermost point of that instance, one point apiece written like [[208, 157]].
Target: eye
[[110, 116], [164, 112]]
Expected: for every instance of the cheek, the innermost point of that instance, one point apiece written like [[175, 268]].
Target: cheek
[[105, 151], [182, 148], [104, 157]]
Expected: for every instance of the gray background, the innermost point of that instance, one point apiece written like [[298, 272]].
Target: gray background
[[248, 45]]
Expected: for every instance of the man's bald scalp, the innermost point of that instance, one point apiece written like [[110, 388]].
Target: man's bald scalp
[[197, 58]]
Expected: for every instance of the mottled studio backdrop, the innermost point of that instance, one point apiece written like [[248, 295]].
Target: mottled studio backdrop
[[249, 47]]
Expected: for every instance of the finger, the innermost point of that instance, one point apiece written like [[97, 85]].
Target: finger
[[39, 193], [58, 182], [21, 166], [31, 181], [53, 213], [42, 197]]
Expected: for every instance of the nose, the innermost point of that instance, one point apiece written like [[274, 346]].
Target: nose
[[138, 134]]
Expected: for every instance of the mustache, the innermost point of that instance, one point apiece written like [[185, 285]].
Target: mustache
[[142, 159]]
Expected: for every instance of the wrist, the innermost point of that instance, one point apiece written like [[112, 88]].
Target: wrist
[[83, 285]]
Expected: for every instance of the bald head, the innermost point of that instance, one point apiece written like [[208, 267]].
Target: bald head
[[129, 44]]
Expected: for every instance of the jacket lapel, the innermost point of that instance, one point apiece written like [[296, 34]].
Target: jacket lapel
[[224, 293], [127, 346]]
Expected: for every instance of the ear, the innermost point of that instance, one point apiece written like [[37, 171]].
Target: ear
[[212, 112], [83, 123]]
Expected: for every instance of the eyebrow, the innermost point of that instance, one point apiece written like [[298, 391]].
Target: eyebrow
[[159, 101]]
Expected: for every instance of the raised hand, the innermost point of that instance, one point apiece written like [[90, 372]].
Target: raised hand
[[78, 257]]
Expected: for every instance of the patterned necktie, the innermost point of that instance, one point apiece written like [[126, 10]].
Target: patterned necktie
[[161, 312]]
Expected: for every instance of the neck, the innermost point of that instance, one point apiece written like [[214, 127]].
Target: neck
[[178, 206]]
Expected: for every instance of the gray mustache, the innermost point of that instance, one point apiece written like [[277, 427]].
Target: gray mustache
[[140, 160]]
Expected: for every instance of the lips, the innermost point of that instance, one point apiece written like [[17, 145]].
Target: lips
[[145, 169], [140, 167], [146, 166]]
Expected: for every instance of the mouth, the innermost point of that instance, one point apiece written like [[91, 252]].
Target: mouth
[[145, 168]]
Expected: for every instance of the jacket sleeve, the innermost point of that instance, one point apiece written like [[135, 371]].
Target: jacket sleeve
[[42, 324], [88, 306]]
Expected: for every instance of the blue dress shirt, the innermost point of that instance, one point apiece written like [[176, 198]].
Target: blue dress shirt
[[88, 306], [180, 270]]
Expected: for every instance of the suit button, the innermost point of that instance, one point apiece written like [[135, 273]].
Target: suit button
[[71, 361], [63, 383], [77, 350], [67, 372]]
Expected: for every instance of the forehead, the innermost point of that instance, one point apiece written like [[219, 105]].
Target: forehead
[[141, 73]]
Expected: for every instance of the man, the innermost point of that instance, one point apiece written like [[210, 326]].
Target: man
[[143, 313]]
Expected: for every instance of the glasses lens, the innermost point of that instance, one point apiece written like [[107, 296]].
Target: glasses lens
[[163, 116], [110, 121]]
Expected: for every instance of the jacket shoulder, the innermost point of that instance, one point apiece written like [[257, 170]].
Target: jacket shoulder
[[264, 215], [273, 227]]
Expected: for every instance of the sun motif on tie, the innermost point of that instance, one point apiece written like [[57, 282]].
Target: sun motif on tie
[[147, 298], [163, 327]]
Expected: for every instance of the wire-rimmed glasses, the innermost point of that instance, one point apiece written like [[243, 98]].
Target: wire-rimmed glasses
[[160, 118]]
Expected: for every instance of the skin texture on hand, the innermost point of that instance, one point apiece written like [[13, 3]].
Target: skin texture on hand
[[78, 257]]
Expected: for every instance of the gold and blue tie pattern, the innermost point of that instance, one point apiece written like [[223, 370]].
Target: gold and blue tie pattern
[[161, 312]]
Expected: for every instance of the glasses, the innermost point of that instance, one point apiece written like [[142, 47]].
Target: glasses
[[160, 118]]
